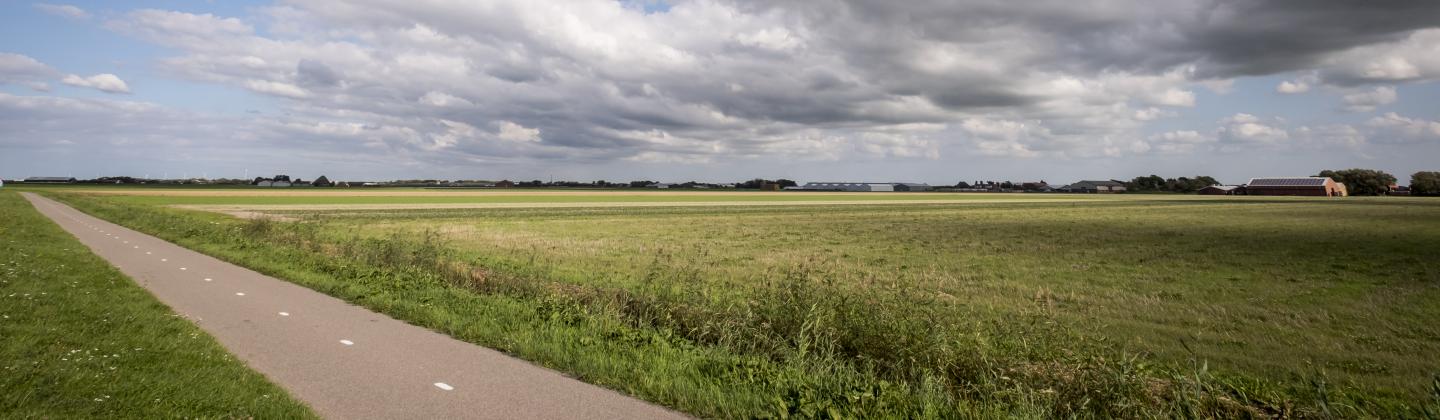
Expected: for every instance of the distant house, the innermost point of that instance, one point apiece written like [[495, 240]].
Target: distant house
[[1311, 186], [1222, 190], [505, 184], [322, 181], [912, 187], [849, 186], [1095, 187], [49, 180], [1400, 190]]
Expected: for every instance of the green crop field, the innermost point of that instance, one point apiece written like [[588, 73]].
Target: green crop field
[[1031, 305], [80, 340]]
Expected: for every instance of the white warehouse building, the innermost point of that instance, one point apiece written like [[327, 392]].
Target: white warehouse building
[[849, 186]]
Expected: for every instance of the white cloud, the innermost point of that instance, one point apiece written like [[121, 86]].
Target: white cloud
[[1176, 142], [1290, 87], [104, 82], [63, 10], [442, 99], [1249, 129], [515, 132], [17, 68], [1412, 58], [1331, 136], [1393, 127], [277, 88], [1368, 100]]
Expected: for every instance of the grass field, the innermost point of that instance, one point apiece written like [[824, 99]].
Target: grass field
[[1013, 304], [80, 340]]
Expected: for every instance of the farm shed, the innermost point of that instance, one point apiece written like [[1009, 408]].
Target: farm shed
[[1095, 187], [849, 186], [1222, 190], [1303, 186]]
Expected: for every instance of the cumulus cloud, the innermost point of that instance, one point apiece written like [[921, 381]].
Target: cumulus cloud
[[277, 88], [63, 10], [1367, 100], [1292, 87], [23, 70], [104, 82], [1393, 127], [1249, 129], [1412, 58]]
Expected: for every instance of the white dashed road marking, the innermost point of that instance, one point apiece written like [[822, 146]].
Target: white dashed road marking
[[347, 342], [208, 279], [284, 314], [444, 386], [163, 260], [239, 293], [182, 268]]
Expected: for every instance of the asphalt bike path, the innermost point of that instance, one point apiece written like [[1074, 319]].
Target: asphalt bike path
[[343, 360]]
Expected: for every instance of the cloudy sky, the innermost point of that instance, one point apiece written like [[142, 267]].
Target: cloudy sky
[[721, 90]]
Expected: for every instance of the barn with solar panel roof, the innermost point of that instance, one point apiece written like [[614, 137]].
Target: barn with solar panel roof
[[1311, 186]]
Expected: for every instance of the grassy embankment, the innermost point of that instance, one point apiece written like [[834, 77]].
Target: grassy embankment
[[1126, 308], [80, 340]]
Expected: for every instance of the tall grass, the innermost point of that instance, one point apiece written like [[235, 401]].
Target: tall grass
[[808, 339]]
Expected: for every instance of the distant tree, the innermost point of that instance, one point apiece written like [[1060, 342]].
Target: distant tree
[[258, 180], [641, 184], [1177, 185], [322, 181], [1425, 183], [1362, 181], [962, 184], [1007, 185], [757, 183]]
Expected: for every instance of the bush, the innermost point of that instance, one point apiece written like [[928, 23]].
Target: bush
[[1425, 183], [1362, 181]]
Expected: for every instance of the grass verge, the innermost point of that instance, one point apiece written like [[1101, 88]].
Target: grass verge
[[78, 339], [806, 342]]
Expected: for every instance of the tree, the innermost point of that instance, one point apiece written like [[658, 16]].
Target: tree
[[322, 181], [1362, 181], [1179, 185], [1425, 183]]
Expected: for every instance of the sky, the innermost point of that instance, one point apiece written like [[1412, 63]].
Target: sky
[[935, 91]]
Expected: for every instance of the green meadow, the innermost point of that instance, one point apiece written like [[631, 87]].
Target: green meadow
[[78, 339], [1094, 306]]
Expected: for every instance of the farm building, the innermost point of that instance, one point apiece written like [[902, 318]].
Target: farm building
[[1095, 187], [910, 186], [849, 186], [1305, 186], [1222, 190], [49, 180]]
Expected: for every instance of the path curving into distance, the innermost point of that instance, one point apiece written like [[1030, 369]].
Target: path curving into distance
[[343, 360]]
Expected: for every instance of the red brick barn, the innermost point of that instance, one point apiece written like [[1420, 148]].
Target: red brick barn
[[1302, 186]]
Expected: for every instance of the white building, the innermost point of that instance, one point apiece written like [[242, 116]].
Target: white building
[[849, 186]]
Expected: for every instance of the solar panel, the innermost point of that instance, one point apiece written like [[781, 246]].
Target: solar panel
[[1288, 182]]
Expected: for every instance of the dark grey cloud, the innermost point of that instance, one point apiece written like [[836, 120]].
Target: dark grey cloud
[[314, 74]]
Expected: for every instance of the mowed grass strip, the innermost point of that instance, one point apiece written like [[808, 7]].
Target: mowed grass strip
[[78, 339]]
